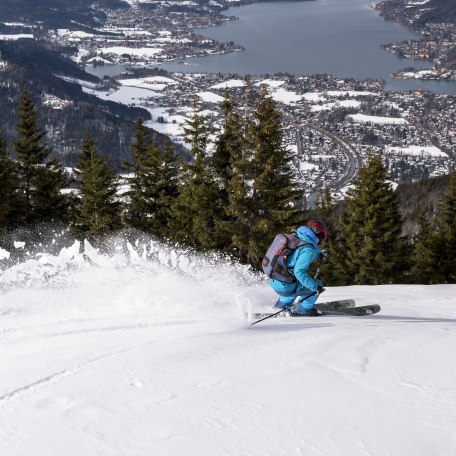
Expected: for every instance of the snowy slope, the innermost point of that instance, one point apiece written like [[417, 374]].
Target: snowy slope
[[146, 352]]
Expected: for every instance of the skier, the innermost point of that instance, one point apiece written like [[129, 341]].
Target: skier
[[298, 263]]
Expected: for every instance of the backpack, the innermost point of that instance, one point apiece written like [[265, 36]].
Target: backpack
[[274, 263]]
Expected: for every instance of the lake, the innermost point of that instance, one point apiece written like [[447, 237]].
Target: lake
[[339, 37]]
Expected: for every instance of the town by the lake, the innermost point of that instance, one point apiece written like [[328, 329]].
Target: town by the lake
[[331, 123]]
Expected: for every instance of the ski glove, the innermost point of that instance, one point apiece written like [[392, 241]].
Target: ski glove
[[319, 284]]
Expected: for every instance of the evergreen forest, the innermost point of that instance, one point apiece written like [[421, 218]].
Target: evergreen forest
[[238, 190]]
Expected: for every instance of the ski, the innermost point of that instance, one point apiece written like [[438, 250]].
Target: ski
[[343, 307], [335, 305], [323, 306], [360, 311]]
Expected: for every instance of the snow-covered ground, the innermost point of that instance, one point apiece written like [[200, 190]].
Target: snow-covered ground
[[140, 52], [231, 83], [363, 118], [15, 37], [416, 150], [147, 352]]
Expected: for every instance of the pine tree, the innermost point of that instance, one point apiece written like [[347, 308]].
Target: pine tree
[[446, 232], [98, 210], [162, 186], [227, 163], [425, 256], [274, 190], [332, 270], [137, 212], [195, 213], [153, 183], [51, 205], [11, 204], [325, 206], [371, 228], [31, 152], [241, 207], [229, 142]]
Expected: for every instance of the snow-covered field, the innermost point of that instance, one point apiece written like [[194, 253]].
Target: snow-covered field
[[15, 37], [363, 118], [416, 150], [147, 352]]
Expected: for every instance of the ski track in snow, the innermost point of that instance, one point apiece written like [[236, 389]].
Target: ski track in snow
[[53, 378], [146, 351]]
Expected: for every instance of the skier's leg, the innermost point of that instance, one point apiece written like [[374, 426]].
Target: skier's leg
[[284, 301], [286, 291]]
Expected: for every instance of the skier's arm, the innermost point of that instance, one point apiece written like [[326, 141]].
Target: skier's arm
[[306, 257]]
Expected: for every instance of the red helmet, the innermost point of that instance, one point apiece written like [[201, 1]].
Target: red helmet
[[319, 228]]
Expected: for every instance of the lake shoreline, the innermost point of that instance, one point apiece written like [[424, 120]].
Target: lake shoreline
[[368, 61]]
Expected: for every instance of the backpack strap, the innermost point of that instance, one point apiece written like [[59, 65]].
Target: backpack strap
[[299, 244]]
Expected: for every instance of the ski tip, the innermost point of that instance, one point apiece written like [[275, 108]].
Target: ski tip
[[365, 311]]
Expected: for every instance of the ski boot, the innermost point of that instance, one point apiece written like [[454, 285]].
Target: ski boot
[[310, 313]]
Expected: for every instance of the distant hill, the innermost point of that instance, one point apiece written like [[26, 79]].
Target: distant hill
[[31, 65], [58, 13], [39, 69], [413, 198], [420, 196], [418, 13], [40, 66], [438, 11]]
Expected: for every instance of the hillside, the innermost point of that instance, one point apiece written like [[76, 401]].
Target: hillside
[[66, 110], [419, 13], [438, 11], [57, 13], [420, 196], [141, 354]]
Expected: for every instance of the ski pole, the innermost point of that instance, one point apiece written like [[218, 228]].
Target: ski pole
[[281, 310]]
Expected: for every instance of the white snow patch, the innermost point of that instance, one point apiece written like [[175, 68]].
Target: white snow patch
[[304, 165], [15, 37], [210, 97], [17, 24], [4, 254], [422, 2], [130, 96], [173, 123], [325, 107], [134, 2], [139, 52], [74, 34], [337, 104], [94, 60], [271, 83], [348, 103], [350, 93], [285, 96], [232, 83], [431, 151], [363, 118], [393, 185], [314, 97], [157, 83]]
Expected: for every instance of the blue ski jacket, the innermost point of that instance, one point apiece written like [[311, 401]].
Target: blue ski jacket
[[298, 263]]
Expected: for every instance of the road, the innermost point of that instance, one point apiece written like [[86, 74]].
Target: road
[[353, 164]]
